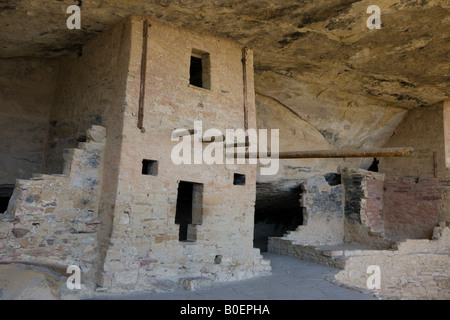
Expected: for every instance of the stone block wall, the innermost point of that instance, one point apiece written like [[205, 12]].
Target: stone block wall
[[364, 202], [122, 232], [424, 130], [322, 215], [146, 252], [92, 91], [375, 203], [52, 220], [411, 207], [417, 269], [351, 211]]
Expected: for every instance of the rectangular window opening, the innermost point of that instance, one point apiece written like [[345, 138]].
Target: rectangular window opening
[[199, 71], [150, 167], [189, 210], [239, 179]]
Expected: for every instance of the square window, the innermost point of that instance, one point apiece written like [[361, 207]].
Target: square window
[[150, 167], [239, 179]]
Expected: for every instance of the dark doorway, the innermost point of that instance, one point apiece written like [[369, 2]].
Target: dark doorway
[[189, 209], [277, 210]]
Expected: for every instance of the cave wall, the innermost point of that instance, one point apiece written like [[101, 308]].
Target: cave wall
[[295, 134], [26, 94], [343, 119]]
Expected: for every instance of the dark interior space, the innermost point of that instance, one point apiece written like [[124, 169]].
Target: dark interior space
[[239, 179], [4, 204], [183, 215], [374, 166], [277, 210], [149, 167], [196, 72], [6, 191], [333, 179]]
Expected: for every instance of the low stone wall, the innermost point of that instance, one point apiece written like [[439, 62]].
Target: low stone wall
[[305, 252], [413, 269], [418, 269]]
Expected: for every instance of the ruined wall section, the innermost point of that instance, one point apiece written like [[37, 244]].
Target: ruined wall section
[[306, 118], [92, 90], [52, 220], [364, 207], [344, 210], [423, 130], [145, 251], [26, 95], [411, 207], [322, 215], [422, 179], [417, 269]]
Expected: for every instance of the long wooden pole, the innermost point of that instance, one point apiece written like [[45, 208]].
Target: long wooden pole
[[349, 153], [140, 123]]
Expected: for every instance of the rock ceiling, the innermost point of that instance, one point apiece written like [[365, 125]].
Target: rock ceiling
[[404, 64]]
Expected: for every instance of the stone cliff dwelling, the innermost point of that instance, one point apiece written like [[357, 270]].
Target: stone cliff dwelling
[[87, 124]]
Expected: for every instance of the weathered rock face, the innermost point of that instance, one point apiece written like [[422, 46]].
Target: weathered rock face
[[324, 42], [23, 282], [341, 119], [26, 94]]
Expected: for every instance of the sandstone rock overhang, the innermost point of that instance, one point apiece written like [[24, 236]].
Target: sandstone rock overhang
[[325, 42]]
